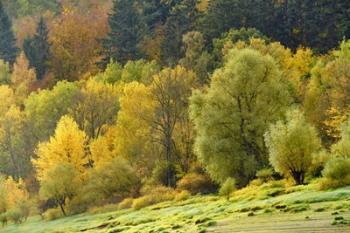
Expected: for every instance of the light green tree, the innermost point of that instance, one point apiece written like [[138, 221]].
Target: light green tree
[[292, 144], [231, 117]]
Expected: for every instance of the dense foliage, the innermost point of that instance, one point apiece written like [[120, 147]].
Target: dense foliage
[[106, 100]]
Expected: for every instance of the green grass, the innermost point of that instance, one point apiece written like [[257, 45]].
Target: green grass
[[304, 205]]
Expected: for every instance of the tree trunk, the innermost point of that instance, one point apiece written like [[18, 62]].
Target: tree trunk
[[298, 177], [61, 204]]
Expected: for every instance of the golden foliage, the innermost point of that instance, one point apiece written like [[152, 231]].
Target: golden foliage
[[66, 146]]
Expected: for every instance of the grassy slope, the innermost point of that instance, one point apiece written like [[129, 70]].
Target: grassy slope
[[271, 208]]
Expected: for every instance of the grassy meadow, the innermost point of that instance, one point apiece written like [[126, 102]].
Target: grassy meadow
[[271, 207]]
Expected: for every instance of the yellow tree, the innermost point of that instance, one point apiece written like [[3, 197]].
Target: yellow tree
[[23, 78], [171, 89], [97, 107], [7, 98], [75, 43], [133, 138], [14, 196], [66, 146]]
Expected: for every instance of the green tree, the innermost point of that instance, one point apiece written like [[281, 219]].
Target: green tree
[[15, 160], [171, 90], [292, 145], [44, 108], [121, 43], [5, 73], [231, 117], [112, 178], [60, 189], [196, 58], [96, 108], [37, 49], [8, 48], [179, 22]]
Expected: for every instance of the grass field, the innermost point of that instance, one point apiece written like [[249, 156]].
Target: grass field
[[265, 209]]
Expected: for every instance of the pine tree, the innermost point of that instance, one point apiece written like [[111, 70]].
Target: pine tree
[[178, 23], [8, 48], [125, 33], [37, 49]]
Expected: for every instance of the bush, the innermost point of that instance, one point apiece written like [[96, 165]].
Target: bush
[[15, 216], [196, 184], [53, 214], [228, 187], [155, 195], [126, 203], [160, 173], [142, 202], [24, 208], [336, 173], [265, 174], [111, 179], [183, 195], [3, 219]]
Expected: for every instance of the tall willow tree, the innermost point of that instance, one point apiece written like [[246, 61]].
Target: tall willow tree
[[231, 117]]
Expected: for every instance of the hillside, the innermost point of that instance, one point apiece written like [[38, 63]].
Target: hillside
[[300, 209]]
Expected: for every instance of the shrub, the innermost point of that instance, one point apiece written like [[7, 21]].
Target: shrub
[[196, 183], [162, 170], [155, 195], [183, 195], [126, 203], [142, 202], [103, 209], [15, 215], [3, 219], [53, 214], [336, 173], [111, 179], [24, 208], [228, 187], [265, 174]]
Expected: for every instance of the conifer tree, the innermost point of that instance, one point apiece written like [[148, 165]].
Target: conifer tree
[[37, 49], [8, 48], [121, 43], [179, 22]]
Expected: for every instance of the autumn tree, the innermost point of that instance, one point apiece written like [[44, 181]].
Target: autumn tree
[[60, 189], [133, 131], [292, 145], [22, 79], [15, 159], [96, 108], [141, 71], [112, 178], [74, 39], [37, 49], [66, 146], [8, 99], [171, 89], [327, 94], [14, 198], [231, 117], [8, 48]]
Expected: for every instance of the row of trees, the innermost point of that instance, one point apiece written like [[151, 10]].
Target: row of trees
[[188, 111], [157, 29]]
